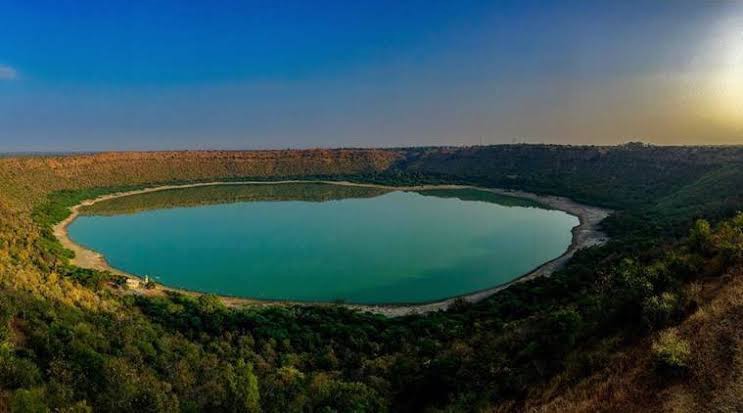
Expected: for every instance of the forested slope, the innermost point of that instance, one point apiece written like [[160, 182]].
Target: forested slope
[[70, 340]]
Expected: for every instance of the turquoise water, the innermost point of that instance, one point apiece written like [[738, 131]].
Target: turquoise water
[[381, 247]]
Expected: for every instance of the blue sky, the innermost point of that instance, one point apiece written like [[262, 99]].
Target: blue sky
[[118, 75]]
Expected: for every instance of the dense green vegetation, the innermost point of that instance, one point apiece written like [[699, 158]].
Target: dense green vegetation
[[70, 340]]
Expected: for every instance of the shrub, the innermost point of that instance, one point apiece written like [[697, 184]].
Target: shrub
[[120, 281], [659, 310], [28, 401], [17, 372], [671, 353], [459, 304], [729, 239], [700, 236]]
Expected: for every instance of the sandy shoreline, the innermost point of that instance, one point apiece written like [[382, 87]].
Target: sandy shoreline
[[585, 234]]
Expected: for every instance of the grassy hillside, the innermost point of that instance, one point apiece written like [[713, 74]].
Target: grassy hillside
[[707, 345], [27, 180], [658, 302]]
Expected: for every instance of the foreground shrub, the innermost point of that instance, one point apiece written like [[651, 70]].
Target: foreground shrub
[[671, 353]]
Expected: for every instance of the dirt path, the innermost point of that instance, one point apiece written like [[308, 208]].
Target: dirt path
[[585, 234]]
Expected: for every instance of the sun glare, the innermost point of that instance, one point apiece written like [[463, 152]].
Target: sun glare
[[727, 76]]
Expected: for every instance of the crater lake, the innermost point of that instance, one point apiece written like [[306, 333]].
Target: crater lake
[[325, 242]]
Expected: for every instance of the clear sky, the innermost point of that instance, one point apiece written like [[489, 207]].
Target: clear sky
[[180, 74]]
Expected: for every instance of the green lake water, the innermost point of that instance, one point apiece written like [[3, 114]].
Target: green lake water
[[320, 242]]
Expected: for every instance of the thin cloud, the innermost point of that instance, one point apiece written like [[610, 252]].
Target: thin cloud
[[7, 73]]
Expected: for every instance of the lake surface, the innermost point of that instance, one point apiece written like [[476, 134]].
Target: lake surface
[[321, 242]]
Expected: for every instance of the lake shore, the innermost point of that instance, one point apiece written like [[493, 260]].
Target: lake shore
[[585, 234]]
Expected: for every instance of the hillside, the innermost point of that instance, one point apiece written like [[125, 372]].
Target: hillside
[[28, 179], [659, 305], [712, 335]]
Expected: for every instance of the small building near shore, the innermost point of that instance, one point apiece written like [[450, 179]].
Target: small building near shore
[[132, 282]]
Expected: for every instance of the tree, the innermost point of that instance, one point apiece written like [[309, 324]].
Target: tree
[[243, 388]]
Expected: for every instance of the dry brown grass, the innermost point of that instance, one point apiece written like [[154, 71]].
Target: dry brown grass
[[715, 333], [628, 382]]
